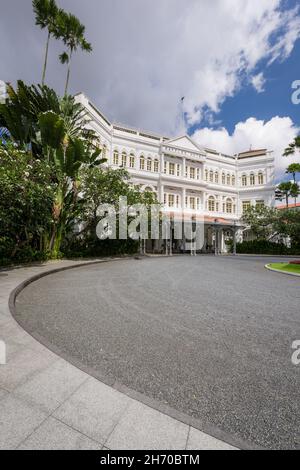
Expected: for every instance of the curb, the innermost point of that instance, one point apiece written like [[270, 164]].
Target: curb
[[196, 423], [267, 266]]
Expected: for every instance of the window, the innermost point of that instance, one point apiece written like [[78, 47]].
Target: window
[[104, 151], [171, 200], [211, 204], [223, 178], [206, 175], [177, 201], [216, 177], [142, 163], [116, 158], [252, 179], [165, 167], [186, 171], [186, 201], [156, 166], [171, 169], [192, 203], [198, 174], [124, 159], [246, 205], [198, 203], [228, 180], [178, 169], [260, 178], [192, 173], [131, 160], [211, 176], [260, 203], [244, 180], [165, 199], [233, 180], [149, 164], [229, 206]]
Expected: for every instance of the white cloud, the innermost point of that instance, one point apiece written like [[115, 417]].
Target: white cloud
[[258, 81], [202, 50], [274, 134]]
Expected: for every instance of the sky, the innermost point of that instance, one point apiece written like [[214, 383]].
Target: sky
[[233, 61]]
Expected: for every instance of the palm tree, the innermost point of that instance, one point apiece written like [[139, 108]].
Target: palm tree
[[46, 14], [293, 169], [291, 149], [73, 37], [288, 189]]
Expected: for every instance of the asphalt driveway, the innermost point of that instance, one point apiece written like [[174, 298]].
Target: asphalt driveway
[[208, 336]]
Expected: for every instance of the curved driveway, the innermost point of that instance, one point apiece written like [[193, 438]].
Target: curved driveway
[[208, 336]]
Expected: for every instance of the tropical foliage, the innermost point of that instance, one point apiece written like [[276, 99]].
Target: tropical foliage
[[27, 194], [274, 225], [49, 137]]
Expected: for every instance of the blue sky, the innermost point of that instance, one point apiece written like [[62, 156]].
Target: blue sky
[[275, 100]]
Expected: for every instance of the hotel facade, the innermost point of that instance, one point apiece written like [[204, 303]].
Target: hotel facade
[[188, 179]]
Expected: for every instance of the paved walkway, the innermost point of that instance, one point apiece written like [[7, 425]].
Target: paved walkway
[[46, 403]]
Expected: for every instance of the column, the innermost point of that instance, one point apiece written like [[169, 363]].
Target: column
[[216, 241], [234, 241], [183, 198]]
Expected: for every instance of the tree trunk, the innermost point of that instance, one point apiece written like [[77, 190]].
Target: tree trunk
[[46, 59], [68, 74]]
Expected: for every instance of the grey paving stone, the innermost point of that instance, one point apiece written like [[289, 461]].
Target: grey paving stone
[[201, 441], [142, 427], [17, 421], [55, 435], [22, 365], [52, 386], [3, 393], [94, 409]]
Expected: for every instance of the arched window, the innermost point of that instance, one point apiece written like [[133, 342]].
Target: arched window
[[211, 204], [260, 178], [192, 203], [211, 176], [149, 164], [124, 159], [156, 166], [244, 180], [223, 178], [142, 163], [216, 177], [131, 160], [229, 206], [116, 158], [252, 179]]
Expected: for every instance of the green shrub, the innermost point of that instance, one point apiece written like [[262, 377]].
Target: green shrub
[[265, 247]]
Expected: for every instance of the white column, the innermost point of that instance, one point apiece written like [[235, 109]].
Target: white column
[[183, 198], [161, 194]]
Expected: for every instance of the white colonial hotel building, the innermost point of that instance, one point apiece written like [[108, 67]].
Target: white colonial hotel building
[[188, 178]]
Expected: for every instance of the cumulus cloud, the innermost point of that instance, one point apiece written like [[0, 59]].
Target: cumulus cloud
[[258, 81], [274, 134], [147, 55]]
